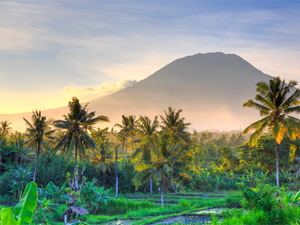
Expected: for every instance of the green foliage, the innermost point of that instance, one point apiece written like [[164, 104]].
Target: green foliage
[[88, 193], [23, 212], [10, 156], [44, 211], [121, 206], [185, 204], [20, 178], [260, 198], [263, 153], [53, 168], [53, 193]]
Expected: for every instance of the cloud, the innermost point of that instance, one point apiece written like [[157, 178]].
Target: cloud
[[102, 89], [48, 44]]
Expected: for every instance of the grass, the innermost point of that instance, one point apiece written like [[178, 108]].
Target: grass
[[144, 211], [146, 216]]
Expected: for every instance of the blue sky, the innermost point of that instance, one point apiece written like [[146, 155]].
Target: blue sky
[[52, 50]]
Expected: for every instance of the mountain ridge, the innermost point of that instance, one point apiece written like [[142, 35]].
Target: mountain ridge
[[210, 85]]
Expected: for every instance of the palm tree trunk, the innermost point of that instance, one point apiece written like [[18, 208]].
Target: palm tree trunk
[[173, 187], [277, 165], [104, 179], [36, 160], [126, 149], [123, 144], [76, 175], [151, 189], [117, 178], [162, 194]]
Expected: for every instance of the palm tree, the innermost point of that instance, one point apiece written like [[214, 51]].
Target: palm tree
[[174, 125], [132, 129], [125, 129], [75, 137], [275, 103], [239, 139], [166, 154], [5, 128], [147, 130], [102, 157], [116, 171], [100, 133], [36, 132], [17, 139]]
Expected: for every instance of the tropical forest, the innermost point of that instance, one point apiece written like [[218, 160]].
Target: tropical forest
[[142, 170]]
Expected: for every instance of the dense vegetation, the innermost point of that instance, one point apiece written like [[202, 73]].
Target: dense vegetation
[[74, 163]]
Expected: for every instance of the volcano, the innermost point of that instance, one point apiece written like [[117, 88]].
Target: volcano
[[210, 89]]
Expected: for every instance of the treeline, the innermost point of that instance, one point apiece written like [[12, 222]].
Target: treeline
[[155, 153], [205, 161]]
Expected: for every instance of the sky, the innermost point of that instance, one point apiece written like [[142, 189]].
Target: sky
[[53, 50]]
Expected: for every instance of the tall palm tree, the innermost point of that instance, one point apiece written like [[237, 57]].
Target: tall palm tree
[[36, 132], [102, 157], [174, 125], [123, 134], [75, 137], [166, 154], [146, 129], [132, 129], [275, 102]]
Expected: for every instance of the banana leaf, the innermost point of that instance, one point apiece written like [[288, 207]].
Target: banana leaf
[[23, 212], [8, 217]]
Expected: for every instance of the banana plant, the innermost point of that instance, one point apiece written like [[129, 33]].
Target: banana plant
[[23, 212], [44, 210], [289, 199], [263, 176], [53, 192], [101, 195]]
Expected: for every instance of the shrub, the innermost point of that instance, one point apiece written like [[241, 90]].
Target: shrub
[[260, 198]]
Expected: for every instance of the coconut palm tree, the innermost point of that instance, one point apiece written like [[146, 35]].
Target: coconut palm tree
[[275, 102], [146, 129], [166, 155], [4, 130], [116, 171], [100, 133], [5, 127], [102, 157], [132, 129], [124, 133], [174, 125], [17, 139], [37, 132], [75, 137]]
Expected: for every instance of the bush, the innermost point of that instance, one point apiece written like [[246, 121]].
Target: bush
[[5, 187], [260, 198]]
